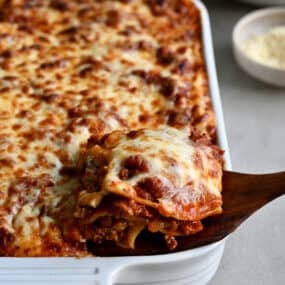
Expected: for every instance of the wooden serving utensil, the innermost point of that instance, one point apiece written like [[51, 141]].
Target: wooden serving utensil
[[243, 194]]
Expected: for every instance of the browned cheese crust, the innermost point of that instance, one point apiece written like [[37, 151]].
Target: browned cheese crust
[[72, 69]]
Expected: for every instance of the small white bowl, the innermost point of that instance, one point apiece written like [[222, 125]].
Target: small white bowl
[[256, 23], [264, 2]]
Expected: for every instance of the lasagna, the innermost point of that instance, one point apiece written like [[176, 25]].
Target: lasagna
[[72, 72], [155, 179]]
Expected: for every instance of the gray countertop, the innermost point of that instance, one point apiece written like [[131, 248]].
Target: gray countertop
[[255, 122]]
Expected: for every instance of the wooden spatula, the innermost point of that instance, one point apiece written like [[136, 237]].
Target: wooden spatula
[[243, 194]]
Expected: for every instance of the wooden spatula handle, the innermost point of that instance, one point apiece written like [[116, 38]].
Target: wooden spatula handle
[[250, 192]]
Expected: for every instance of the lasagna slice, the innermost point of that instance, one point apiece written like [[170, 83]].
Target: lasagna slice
[[160, 180]]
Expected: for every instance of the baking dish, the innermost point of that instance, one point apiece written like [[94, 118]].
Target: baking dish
[[188, 267]]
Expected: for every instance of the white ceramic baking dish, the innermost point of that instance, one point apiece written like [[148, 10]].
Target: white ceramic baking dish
[[195, 267]]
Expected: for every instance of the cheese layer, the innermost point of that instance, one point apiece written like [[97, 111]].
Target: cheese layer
[[74, 69], [161, 168]]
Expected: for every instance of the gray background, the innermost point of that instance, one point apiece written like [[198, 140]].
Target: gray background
[[255, 122]]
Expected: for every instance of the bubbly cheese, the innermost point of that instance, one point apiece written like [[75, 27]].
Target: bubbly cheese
[[267, 48], [74, 69], [178, 177]]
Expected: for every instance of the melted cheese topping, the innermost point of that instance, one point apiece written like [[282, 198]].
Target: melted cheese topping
[[162, 169], [72, 69]]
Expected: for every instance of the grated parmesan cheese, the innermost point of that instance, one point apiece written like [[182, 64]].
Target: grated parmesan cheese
[[268, 48]]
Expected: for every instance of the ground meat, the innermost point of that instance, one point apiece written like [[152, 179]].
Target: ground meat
[[6, 54], [144, 45], [184, 67], [124, 174], [59, 5], [150, 77], [171, 242], [179, 119], [187, 228], [156, 6], [153, 186], [132, 208], [96, 140], [113, 18], [133, 134], [167, 86], [165, 56], [69, 31], [53, 64], [85, 71], [133, 165], [49, 98], [6, 162], [5, 239]]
